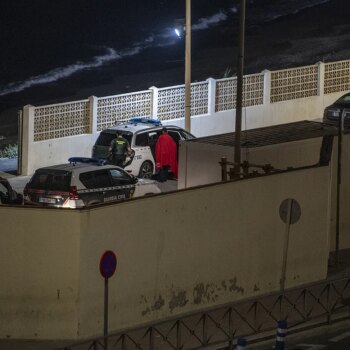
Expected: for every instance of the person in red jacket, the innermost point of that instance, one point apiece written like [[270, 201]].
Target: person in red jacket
[[166, 155]]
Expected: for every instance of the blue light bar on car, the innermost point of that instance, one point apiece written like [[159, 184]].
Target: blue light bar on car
[[87, 160], [154, 122]]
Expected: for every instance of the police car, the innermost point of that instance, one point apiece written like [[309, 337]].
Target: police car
[[84, 182], [142, 134]]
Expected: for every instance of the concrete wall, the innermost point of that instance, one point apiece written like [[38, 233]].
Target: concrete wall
[[39, 273], [310, 108], [177, 253], [199, 164]]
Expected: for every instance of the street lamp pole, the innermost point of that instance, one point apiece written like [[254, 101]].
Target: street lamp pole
[[239, 99], [188, 67]]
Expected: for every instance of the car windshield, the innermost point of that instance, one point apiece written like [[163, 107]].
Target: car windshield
[[106, 138], [52, 180], [344, 99]]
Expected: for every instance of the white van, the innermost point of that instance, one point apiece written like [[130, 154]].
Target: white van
[[142, 134]]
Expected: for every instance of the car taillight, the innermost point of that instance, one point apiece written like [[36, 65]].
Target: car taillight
[[73, 193]]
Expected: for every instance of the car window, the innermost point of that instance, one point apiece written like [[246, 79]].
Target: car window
[[102, 179], [95, 179], [87, 179], [141, 139], [344, 99], [51, 181], [119, 177], [106, 138]]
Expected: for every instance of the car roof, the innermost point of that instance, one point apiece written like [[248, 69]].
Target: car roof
[[136, 127], [77, 167]]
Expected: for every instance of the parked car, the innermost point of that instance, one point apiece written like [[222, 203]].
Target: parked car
[[332, 113], [7, 194], [84, 182], [142, 135]]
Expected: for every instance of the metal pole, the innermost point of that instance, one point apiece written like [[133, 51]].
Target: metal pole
[[188, 67], [20, 142], [337, 230], [286, 243], [105, 323], [239, 98]]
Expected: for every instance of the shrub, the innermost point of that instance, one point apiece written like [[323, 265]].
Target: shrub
[[10, 151]]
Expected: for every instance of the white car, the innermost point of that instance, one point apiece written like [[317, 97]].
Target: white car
[[142, 135], [84, 182]]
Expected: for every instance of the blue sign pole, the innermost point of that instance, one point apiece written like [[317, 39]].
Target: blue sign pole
[[241, 343], [105, 323], [281, 334], [108, 265]]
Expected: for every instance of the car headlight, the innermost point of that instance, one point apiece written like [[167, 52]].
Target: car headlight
[[333, 112]]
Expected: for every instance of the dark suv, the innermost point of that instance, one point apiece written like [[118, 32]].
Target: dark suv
[[332, 113]]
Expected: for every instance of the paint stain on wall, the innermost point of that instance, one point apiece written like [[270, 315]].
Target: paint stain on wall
[[234, 287], [178, 299], [224, 285], [158, 303], [204, 293]]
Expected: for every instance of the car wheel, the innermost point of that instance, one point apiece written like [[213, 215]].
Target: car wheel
[[146, 170]]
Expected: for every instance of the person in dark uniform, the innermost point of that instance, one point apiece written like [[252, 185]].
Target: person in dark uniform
[[118, 150]]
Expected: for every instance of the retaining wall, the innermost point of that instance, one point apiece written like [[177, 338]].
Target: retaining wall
[[177, 253]]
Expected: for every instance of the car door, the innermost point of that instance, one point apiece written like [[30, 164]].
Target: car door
[[176, 137], [98, 185], [143, 145], [123, 183]]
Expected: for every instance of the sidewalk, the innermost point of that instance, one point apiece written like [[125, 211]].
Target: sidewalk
[[11, 344]]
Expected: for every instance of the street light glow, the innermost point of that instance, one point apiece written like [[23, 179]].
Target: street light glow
[[177, 32]]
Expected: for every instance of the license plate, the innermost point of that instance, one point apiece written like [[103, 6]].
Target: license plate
[[47, 200]]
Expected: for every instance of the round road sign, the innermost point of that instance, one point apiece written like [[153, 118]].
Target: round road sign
[[108, 264], [295, 211]]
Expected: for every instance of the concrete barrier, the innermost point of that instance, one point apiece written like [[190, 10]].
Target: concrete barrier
[[177, 253]]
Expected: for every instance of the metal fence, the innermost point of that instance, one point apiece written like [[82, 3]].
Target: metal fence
[[60, 120], [309, 306], [79, 117]]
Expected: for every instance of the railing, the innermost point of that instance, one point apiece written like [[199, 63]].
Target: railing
[[290, 84], [60, 120], [226, 92], [96, 114], [171, 101], [254, 319], [113, 109], [337, 77]]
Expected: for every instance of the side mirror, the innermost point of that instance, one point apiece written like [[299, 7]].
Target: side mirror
[[134, 179]]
